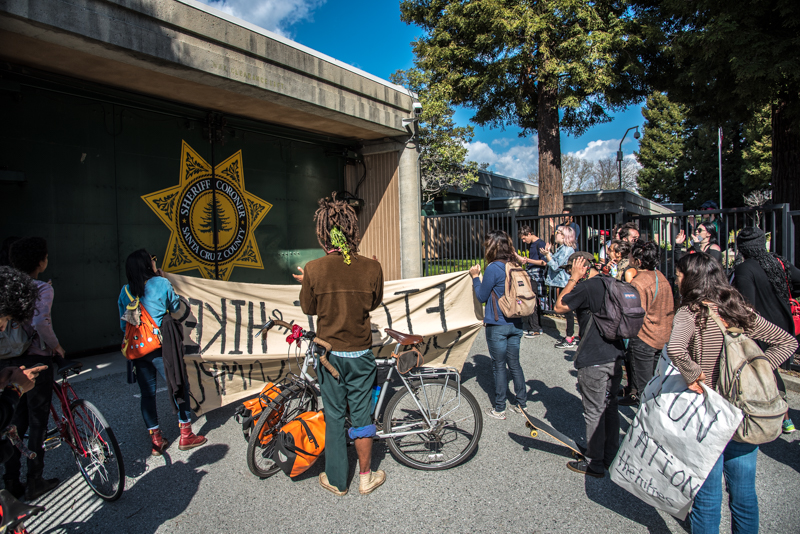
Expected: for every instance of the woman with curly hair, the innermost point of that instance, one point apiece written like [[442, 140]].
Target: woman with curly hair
[[30, 256], [765, 281], [695, 347], [503, 335]]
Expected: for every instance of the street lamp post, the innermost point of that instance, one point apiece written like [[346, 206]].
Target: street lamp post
[[619, 152]]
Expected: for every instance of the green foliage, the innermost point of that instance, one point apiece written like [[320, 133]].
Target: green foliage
[[443, 145], [758, 152], [680, 160], [519, 63], [729, 61], [661, 149]]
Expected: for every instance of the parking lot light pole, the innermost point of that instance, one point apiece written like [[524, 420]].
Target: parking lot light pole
[[619, 152]]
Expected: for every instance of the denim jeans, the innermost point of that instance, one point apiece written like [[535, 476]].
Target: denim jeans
[[738, 463], [503, 341], [147, 368], [534, 321], [599, 385], [642, 360]]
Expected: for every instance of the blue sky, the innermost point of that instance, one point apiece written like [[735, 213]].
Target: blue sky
[[370, 36]]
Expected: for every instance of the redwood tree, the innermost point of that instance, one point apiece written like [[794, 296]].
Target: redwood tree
[[542, 66]]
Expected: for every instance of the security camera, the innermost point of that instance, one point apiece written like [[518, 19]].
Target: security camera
[[417, 107]]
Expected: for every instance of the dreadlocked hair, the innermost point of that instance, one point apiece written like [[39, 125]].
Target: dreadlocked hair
[[337, 213]]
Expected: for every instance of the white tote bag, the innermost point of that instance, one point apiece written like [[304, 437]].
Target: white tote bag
[[675, 439]]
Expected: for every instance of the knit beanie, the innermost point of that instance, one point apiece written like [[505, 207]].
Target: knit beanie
[[751, 241]]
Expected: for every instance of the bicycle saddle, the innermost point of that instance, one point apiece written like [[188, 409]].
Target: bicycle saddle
[[405, 339], [65, 367], [15, 512]]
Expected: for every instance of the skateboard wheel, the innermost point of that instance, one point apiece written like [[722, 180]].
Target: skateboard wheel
[[534, 433], [528, 425]]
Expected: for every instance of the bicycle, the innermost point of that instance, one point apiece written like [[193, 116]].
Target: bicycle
[[431, 423], [80, 425]]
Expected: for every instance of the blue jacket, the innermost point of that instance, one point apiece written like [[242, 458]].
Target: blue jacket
[[494, 278], [159, 299], [557, 277]]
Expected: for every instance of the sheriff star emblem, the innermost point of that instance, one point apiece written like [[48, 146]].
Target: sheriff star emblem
[[211, 217]]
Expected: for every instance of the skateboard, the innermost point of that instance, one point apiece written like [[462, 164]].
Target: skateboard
[[535, 425]]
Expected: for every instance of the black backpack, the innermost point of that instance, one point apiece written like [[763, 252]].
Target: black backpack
[[622, 315]]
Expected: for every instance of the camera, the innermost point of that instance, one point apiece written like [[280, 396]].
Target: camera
[[417, 107]]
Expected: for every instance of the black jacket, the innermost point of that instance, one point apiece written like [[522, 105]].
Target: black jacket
[[174, 366], [752, 282]]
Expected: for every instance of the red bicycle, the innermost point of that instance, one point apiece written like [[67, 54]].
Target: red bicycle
[[80, 425]]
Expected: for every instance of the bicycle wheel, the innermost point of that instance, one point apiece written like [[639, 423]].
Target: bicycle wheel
[[291, 402], [97, 451], [456, 425]]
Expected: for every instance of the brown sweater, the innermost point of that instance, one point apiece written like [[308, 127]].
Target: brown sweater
[[341, 296], [693, 350], [659, 308]]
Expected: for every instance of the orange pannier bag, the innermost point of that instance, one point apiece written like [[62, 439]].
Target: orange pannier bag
[[144, 338], [300, 443], [249, 411]]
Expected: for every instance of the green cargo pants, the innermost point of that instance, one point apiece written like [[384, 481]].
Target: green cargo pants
[[354, 388]]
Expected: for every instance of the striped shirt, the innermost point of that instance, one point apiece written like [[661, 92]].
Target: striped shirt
[[693, 350]]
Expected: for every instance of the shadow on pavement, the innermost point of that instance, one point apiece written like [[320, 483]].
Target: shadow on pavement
[[607, 494], [784, 449], [158, 496], [479, 367], [563, 410]]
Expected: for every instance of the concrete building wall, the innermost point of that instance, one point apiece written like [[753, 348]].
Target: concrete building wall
[[379, 219]]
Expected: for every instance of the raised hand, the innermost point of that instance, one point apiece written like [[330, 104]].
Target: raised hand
[[299, 277]]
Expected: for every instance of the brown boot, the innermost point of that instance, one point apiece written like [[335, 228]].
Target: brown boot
[[188, 439], [159, 443]]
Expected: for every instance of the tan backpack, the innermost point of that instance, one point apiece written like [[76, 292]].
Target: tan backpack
[[519, 299], [747, 381]]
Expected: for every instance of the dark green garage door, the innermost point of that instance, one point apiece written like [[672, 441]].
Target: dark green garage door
[[104, 175]]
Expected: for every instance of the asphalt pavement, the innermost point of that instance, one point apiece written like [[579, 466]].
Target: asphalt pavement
[[513, 483]]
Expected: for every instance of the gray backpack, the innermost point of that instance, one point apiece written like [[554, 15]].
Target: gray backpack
[[15, 340], [747, 381]]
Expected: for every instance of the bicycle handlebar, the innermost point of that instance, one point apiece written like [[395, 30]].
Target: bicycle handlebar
[[323, 358]]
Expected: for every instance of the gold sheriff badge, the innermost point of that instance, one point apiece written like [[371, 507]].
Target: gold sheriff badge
[[211, 216]]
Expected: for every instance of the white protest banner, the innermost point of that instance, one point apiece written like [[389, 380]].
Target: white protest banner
[[673, 442], [226, 363]]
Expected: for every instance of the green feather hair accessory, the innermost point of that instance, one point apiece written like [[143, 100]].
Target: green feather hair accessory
[[340, 242]]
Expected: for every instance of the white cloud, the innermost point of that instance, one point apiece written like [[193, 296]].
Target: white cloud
[[272, 15], [602, 148], [502, 141], [517, 162]]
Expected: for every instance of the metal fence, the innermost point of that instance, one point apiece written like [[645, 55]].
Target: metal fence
[[664, 229], [454, 242]]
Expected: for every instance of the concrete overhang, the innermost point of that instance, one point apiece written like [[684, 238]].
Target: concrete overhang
[[187, 52]]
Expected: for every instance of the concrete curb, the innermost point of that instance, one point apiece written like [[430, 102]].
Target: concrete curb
[[791, 381]]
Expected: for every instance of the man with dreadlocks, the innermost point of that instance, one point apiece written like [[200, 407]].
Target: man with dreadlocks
[[764, 280], [341, 288]]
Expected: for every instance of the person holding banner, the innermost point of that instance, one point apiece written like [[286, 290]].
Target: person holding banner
[[341, 289], [695, 347], [503, 335], [599, 365]]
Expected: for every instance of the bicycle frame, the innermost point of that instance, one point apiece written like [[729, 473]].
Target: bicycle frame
[[447, 373], [65, 424]]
